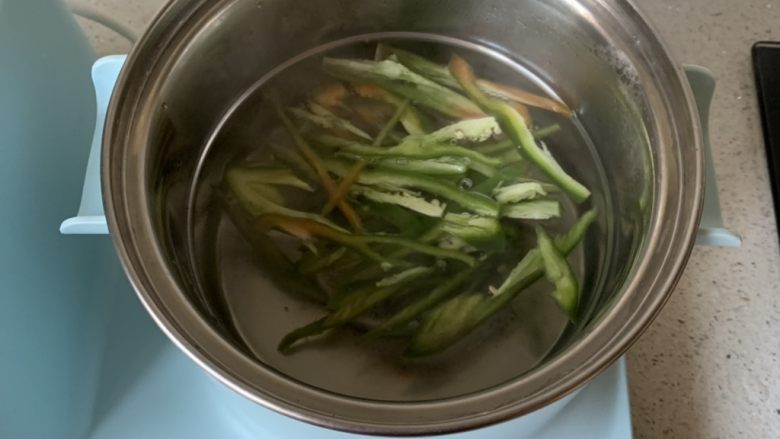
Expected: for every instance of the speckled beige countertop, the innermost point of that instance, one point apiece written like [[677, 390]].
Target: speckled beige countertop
[[708, 367]]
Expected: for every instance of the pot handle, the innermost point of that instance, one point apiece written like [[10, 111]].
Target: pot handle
[[711, 229], [91, 220]]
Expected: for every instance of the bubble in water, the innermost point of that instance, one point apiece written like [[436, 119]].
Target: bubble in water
[[465, 184]]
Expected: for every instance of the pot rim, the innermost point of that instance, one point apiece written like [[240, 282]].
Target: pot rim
[[624, 322]]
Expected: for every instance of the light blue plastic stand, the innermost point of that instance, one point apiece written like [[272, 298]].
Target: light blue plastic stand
[[79, 357], [145, 377]]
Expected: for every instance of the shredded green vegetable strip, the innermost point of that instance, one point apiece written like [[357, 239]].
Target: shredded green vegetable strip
[[346, 183], [474, 202], [401, 81], [439, 73], [559, 273], [409, 150], [380, 138], [356, 304], [515, 128], [456, 318], [274, 261], [306, 229], [313, 159], [417, 228], [414, 310]]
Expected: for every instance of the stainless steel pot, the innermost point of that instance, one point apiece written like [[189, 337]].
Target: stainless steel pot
[[199, 63]]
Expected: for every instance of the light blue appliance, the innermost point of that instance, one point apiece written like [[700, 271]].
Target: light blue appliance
[[49, 305], [79, 357]]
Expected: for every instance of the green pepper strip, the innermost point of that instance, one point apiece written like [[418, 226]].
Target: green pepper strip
[[380, 138], [292, 159], [350, 304], [445, 166], [515, 128], [547, 131], [428, 151], [364, 272], [440, 74], [401, 81], [474, 202], [411, 119], [314, 328], [454, 319], [506, 174], [321, 263], [305, 229], [508, 145], [344, 185], [280, 268], [559, 273], [351, 307], [412, 311], [313, 159], [446, 324], [420, 248]]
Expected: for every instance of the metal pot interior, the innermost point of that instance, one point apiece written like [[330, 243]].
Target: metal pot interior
[[190, 103]]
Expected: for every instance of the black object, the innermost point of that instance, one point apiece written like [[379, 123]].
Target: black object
[[766, 63]]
